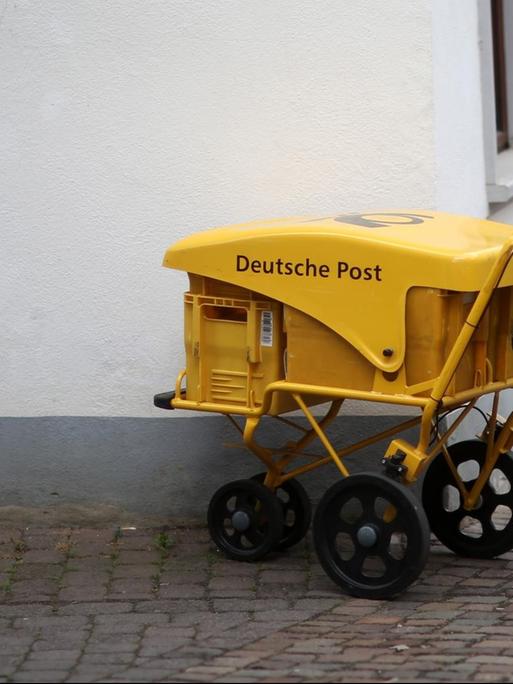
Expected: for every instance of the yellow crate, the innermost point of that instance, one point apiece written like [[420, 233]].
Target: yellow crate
[[434, 319], [233, 348]]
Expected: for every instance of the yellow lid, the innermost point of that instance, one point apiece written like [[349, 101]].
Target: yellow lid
[[351, 272]]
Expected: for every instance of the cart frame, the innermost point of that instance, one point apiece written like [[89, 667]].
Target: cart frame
[[405, 459]]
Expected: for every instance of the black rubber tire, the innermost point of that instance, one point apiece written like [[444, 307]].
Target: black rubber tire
[[334, 516], [297, 511], [263, 511], [446, 524]]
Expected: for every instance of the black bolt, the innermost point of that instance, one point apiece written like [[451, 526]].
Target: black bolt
[[388, 351]]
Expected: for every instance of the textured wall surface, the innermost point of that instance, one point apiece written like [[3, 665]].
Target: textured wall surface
[[459, 147], [124, 126]]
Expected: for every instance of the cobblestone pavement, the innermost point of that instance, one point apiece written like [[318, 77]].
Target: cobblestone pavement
[[83, 605]]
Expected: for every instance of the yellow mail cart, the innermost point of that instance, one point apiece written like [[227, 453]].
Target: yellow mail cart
[[412, 308]]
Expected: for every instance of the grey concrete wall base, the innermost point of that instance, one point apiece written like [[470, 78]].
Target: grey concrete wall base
[[69, 470]]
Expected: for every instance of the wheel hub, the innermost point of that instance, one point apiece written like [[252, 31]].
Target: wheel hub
[[241, 521], [367, 536]]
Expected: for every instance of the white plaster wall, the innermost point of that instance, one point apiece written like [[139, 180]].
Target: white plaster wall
[[460, 179], [125, 125]]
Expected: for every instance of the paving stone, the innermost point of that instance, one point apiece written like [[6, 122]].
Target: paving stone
[[143, 570], [170, 590], [42, 676], [103, 658], [75, 640], [134, 557], [81, 592], [133, 588], [94, 608], [43, 556]]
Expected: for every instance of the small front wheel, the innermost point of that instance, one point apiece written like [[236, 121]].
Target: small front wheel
[[371, 536], [245, 520]]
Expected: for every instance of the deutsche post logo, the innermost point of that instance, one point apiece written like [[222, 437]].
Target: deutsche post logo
[[382, 220]]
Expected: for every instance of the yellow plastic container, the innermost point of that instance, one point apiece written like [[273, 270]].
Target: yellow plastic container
[[237, 343], [232, 348]]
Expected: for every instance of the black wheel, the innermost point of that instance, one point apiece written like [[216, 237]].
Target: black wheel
[[371, 536], [486, 531], [297, 511], [245, 520]]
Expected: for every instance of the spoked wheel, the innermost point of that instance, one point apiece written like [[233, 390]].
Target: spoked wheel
[[245, 520], [297, 511], [486, 531], [371, 536]]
